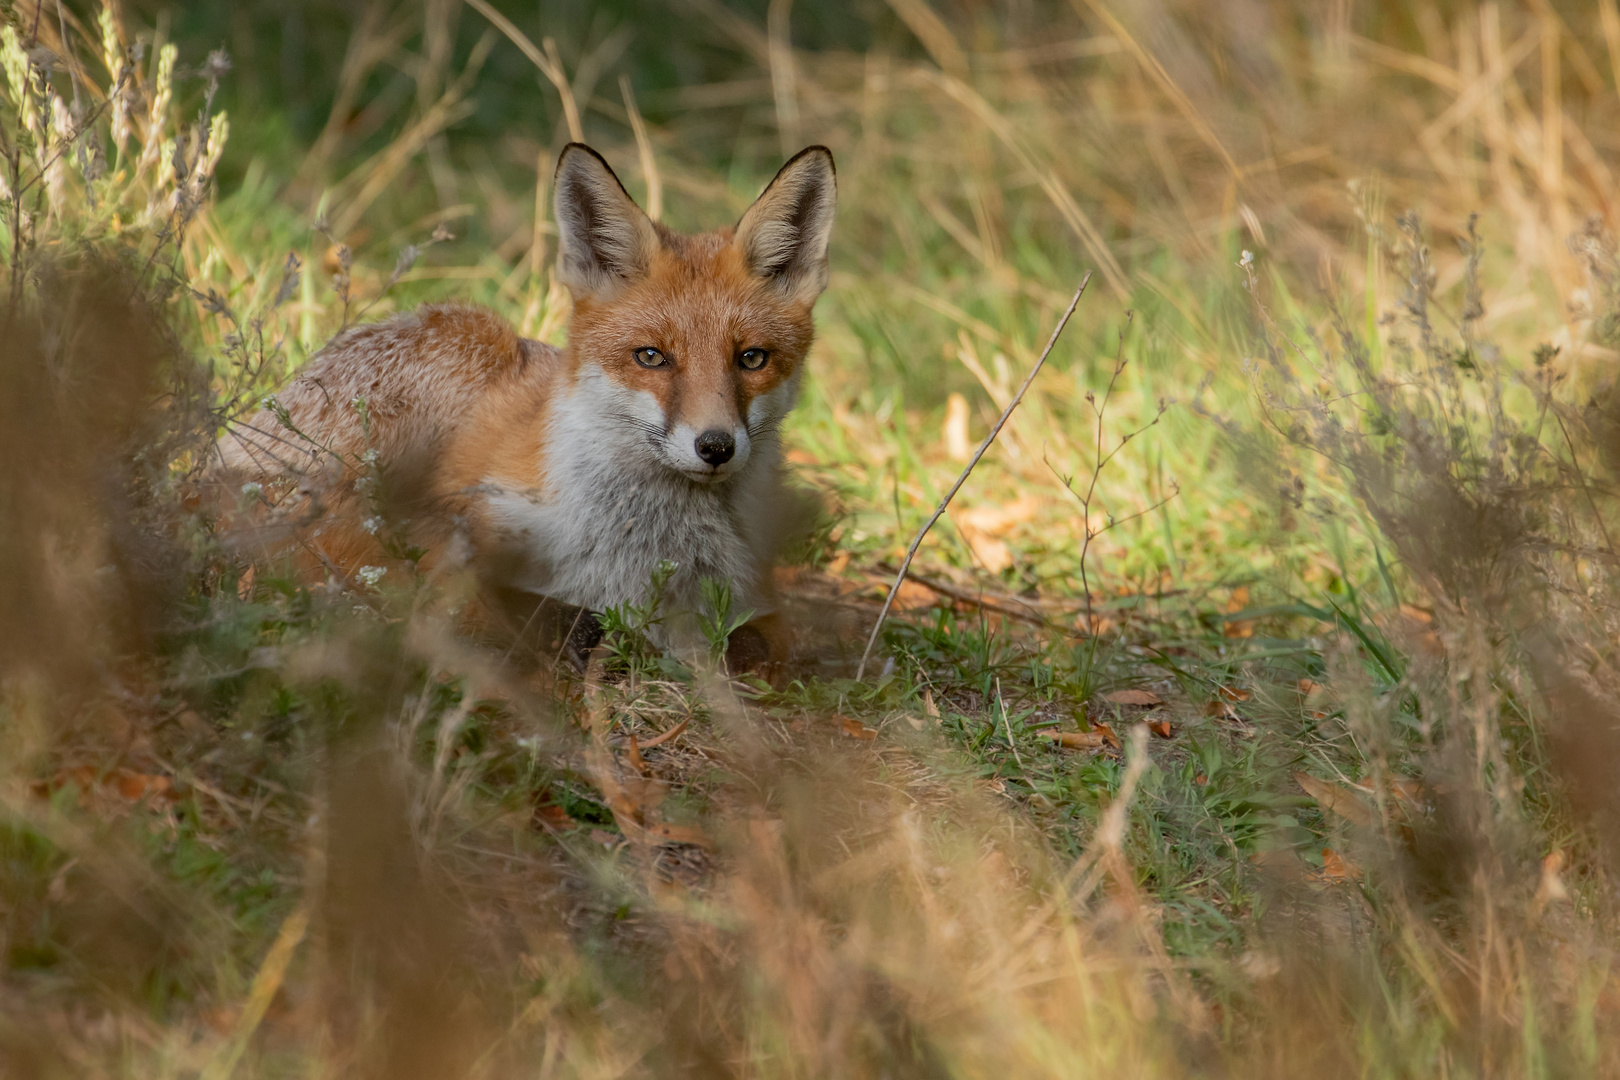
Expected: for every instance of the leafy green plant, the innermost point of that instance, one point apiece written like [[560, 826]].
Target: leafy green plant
[[716, 621]]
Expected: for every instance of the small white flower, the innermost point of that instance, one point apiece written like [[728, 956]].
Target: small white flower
[[370, 575], [1247, 260], [369, 457], [251, 490], [269, 401], [372, 525]]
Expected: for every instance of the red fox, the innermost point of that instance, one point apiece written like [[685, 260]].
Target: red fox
[[571, 474]]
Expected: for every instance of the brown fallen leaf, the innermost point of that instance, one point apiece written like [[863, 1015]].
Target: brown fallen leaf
[[1337, 868], [1551, 886], [1107, 732], [1133, 697], [134, 785], [838, 564], [1075, 740], [1161, 728], [634, 754], [954, 434], [1000, 520], [665, 832], [664, 736], [244, 585], [914, 596], [552, 816], [1234, 693], [929, 708], [1335, 798], [855, 729]]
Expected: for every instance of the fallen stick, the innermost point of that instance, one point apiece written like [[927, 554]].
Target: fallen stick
[[997, 604], [911, 553]]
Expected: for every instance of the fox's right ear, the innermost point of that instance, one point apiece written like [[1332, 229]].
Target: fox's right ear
[[604, 240]]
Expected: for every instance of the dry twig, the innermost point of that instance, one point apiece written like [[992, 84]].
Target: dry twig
[[911, 552]]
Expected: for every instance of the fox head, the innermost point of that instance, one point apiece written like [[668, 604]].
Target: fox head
[[688, 348]]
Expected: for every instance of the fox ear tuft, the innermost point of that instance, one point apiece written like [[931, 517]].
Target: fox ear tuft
[[604, 240], [784, 235]]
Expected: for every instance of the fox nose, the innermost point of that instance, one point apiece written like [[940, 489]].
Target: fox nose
[[716, 447]]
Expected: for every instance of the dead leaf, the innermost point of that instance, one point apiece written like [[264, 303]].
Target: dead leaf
[[1133, 697], [1417, 615], [552, 816], [636, 759], [605, 838], [1234, 693], [855, 729], [929, 708], [1551, 886], [244, 584], [1309, 689], [954, 434], [1337, 868], [999, 520], [638, 796], [1239, 601], [667, 833], [1096, 625], [993, 554], [1407, 789], [665, 736], [1335, 798], [1161, 728], [134, 785], [1075, 740], [838, 564], [984, 526], [1107, 732]]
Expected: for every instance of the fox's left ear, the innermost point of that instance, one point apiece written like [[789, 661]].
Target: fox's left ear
[[784, 235]]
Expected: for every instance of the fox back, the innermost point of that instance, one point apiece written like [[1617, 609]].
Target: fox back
[[570, 474]]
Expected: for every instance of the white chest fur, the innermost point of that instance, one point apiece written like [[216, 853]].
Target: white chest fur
[[610, 510]]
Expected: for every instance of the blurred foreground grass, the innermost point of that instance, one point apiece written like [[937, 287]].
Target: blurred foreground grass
[[1302, 766]]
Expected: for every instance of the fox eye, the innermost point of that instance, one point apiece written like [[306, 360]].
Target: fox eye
[[753, 359], [650, 358]]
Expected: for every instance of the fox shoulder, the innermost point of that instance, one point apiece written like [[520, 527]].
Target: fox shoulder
[[391, 385]]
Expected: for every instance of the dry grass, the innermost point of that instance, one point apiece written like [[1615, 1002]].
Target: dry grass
[[255, 828]]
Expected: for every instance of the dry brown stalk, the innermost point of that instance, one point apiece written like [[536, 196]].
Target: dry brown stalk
[[911, 552], [548, 62]]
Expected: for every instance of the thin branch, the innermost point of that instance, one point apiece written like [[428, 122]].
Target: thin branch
[[911, 553], [548, 62]]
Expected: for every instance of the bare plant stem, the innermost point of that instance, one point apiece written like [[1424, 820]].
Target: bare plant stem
[[1099, 461], [911, 552]]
